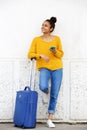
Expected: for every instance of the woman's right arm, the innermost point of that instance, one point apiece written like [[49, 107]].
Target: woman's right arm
[[32, 53]]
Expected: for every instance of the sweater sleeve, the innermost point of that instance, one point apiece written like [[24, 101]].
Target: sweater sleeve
[[32, 53], [59, 52]]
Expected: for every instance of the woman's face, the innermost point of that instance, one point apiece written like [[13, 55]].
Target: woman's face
[[46, 27]]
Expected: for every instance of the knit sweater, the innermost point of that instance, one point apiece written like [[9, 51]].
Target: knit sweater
[[39, 46]]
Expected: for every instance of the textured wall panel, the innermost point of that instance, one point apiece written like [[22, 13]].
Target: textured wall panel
[[78, 90], [14, 76], [6, 89]]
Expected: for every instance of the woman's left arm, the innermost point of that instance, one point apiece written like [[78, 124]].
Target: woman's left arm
[[58, 52]]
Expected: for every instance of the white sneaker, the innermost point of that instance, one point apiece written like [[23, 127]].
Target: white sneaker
[[50, 124], [45, 98]]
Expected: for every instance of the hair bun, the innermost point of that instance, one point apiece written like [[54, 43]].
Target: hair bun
[[53, 19]]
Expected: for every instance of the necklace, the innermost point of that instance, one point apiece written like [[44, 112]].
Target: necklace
[[48, 39]]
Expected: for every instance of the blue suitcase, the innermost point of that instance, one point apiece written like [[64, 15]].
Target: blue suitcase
[[26, 108]]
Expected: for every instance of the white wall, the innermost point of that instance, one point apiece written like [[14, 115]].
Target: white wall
[[20, 21]]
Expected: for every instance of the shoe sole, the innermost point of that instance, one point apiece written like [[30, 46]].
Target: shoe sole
[[50, 127]]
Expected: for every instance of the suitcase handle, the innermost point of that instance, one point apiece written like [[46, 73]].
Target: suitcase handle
[[32, 65], [27, 88], [34, 58]]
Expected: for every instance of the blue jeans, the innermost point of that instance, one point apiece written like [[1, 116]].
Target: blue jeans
[[56, 78]]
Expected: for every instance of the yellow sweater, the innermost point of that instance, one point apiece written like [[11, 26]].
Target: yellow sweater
[[39, 46]]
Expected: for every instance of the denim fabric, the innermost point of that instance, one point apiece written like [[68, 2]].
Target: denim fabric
[[56, 78]]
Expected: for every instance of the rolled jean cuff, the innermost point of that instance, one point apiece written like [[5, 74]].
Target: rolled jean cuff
[[51, 111]]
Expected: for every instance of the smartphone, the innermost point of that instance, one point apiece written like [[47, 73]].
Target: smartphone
[[52, 47]]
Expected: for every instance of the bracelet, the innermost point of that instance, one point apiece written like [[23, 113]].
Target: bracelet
[[39, 56]]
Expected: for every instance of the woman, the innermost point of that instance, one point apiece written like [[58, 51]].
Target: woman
[[47, 50]]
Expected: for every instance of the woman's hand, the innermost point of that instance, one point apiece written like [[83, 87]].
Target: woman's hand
[[53, 51], [46, 58]]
